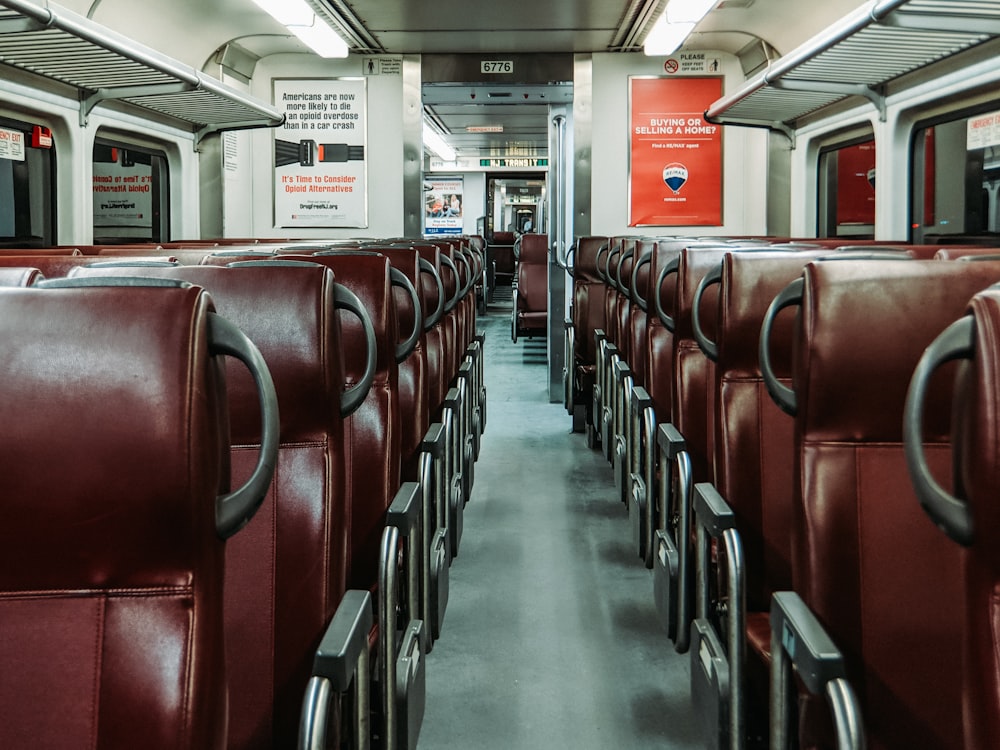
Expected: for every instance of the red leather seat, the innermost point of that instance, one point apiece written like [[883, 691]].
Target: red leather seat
[[639, 287], [587, 313], [501, 249], [372, 433], [753, 446], [286, 574], [969, 517], [878, 575], [694, 374], [116, 451], [531, 299], [414, 393], [659, 337]]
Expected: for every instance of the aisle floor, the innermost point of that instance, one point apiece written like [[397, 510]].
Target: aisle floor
[[550, 638]]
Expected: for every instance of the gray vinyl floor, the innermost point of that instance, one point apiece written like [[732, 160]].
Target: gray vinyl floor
[[549, 640]]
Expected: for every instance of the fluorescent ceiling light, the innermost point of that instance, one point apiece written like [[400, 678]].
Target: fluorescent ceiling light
[[320, 38], [436, 143], [675, 25], [312, 30], [688, 11], [665, 38], [288, 12]]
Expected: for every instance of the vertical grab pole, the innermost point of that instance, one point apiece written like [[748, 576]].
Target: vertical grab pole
[[557, 254]]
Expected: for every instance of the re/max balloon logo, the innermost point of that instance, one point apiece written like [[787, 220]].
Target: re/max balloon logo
[[675, 175]]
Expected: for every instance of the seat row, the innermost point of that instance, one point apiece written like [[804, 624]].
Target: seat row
[[761, 458], [123, 421]]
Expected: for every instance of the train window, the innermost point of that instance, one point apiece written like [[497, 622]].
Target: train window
[[847, 190], [27, 185], [130, 194], [955, 194]]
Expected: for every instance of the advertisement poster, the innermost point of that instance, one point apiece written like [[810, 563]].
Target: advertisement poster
[[442, 206], [675, 157], [320, 171], [123, 193]]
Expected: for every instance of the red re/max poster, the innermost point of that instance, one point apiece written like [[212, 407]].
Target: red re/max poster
[[675, 157]]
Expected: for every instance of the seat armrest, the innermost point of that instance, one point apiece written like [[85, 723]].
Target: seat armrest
[[799, 642], [341, 662], [803, 639], [346, 637], [404, 513]]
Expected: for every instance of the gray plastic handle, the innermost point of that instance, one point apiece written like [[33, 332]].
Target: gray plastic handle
[[432, 320], [353, 397], [405, 348], [612, 252], [619, 284], [603, 249], [234, 510], [672, 267], [450, 304], [472, 278], [644, 260], [952, 515], [709, 347], [782, 395]]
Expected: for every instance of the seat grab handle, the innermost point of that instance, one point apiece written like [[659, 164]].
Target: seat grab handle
[[951, 514], [235, 509], [672, 267], [405, 348], [783, 396], [709, 347], [353, 397]]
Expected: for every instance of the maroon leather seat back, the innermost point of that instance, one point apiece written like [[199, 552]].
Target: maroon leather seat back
[[977, 471], [660, 340], [608, 263], [372, 434], [694, 374], [753, 437], [450, 322], [881, 578], [502, 254], [963, 251], [588, 299], [623, 305], [414, 393], [60, 266], [111, 570], [639, 283], [533, 282], [435, 336], [286, 572]]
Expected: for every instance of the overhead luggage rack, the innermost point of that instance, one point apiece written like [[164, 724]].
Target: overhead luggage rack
[[103, 65], [877, 43]]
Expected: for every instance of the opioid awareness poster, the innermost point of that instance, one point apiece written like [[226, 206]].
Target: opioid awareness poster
[[320, 169], [675, 157], [123, 193]]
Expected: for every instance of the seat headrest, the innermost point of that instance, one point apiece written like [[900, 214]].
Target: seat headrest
[[749, 282], [585, 258], [297, 338], [115, 439], [864, 327], [534, 248]]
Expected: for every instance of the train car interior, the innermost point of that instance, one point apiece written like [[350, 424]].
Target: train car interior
[[479, 375]]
